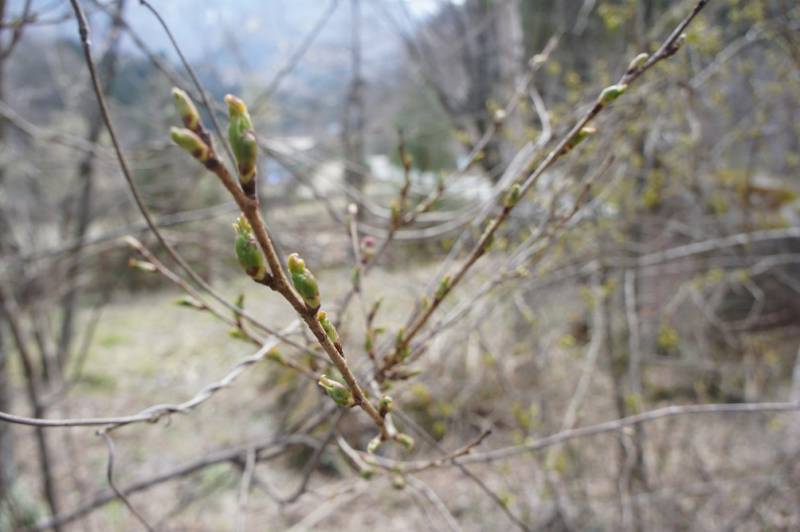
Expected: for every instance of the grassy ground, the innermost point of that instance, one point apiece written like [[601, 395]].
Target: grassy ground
[[511, 372]]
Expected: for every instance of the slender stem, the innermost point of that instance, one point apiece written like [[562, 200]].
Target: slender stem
[[667, 49]]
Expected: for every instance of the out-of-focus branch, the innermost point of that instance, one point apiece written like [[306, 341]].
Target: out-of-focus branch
[[620, 424]]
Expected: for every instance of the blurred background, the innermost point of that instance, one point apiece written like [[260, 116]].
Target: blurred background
[[656, 264]]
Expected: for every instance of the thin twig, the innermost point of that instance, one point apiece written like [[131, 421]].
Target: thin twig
[[113, 485], [619, 424]]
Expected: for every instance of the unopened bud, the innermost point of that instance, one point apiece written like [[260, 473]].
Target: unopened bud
[[443, 288], [611, 93], [400, 344], [374, 444], [186, 109], [405, 440], [584, 133], [580, 136], [275, 356], [247, 157], [337, 391], [369, 343], [488, 236], [537, 60], [512, 197], [367, 246], [142, 265], [238, 334], [236, 107], [394, 209], [191, 142], [190, 302], [385, 405], [425, 302], [247, 250], [408, 161], [304, 281], [328, 327], [242, 137], [679, 42], [398, 338], [638, 61]]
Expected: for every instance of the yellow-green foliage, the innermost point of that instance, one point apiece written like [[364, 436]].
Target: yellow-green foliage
[[668, 338]]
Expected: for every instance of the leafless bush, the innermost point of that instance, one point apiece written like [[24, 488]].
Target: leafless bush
[[551, 305]]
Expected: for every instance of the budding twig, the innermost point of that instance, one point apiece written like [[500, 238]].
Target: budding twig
[[302, 293], [577, 133]]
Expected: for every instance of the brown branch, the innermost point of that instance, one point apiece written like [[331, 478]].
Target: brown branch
[[667, 49], [228, 455], [619, 424], [10, 311], [110, 477], [398, 466], [494, 497], [156, 412], [83, 29]]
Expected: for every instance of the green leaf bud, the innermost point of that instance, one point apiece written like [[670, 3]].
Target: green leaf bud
[[237, 334], [584, 133], [394, 209], [611, 93], [327, 325], [512, 197], [247, 250], [247, 157], [678, 42], [398, 338], [408, 161], [242, 138], [142, 265], [238, 109], [369, 343], [443, 288], [385, 405], [186, 109], [405, 440], [425, 302], [239, 303], [488, 234], [400, 345], [189, 302], [275, 356], [304, 281], [190, 142], [580, 136], [374, 444], [638, 61], [337, 391]]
